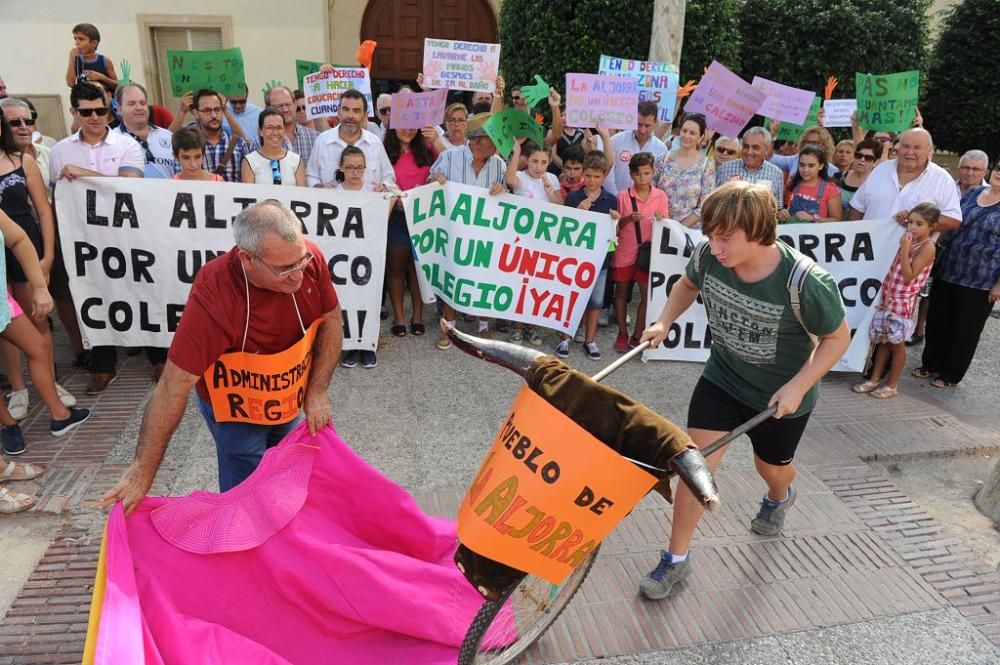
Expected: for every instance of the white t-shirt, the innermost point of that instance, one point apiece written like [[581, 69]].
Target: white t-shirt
[[880, 196], [160, 145], [624, 145], [534, 188]]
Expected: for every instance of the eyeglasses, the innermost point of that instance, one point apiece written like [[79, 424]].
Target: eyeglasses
[[272, 128], [456, 121], [282, 274], [516, 99], [238, 102], [865, 156], [299, 109], [86, 113], [726, 151], [384, 111], [213, 111], [969, 169], [18, 122], [353, 169], [276, 177]]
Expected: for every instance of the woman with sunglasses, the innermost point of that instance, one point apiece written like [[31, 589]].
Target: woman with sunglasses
[[23, 122], [24, 198], [865, 155], [272, 163]]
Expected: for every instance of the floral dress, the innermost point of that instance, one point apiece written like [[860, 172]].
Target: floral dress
[[686, 188]]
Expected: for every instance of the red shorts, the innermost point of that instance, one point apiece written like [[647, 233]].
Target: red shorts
[[629, 273]]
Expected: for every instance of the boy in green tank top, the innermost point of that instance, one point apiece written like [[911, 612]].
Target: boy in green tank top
[[767, 306]]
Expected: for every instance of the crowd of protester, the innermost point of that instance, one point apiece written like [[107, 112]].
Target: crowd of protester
[[632, 176]]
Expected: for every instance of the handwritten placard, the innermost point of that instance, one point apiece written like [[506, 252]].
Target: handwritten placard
[[658, 81], [727, 101], [608, 101], [416, 110], [837, 112], [323, 89], [887, 102], [792, 132], [221, 71], [784, 102], [458, 65]]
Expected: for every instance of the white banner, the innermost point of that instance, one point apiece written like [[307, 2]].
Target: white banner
[[133, 246], [857, 254], [506, 256]]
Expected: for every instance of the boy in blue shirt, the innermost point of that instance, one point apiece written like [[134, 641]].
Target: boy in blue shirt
[[85, 63], [592, 196]]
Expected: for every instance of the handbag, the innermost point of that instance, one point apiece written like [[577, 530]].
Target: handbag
[[645, 248]]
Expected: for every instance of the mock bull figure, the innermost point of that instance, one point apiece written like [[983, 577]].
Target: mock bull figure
[[620, 422]]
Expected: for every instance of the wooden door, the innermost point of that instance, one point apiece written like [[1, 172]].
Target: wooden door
[[400, 27]]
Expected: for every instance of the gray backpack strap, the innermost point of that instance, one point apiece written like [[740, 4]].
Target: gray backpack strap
[[796, 280]]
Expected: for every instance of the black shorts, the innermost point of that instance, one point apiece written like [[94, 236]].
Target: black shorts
[[774, 441]]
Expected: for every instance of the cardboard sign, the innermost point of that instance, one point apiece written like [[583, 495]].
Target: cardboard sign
[[608, 101], [791, 132], [858, 256], [416, 110], [837, 112], [458, 65], [658, 81], [504, 126], [323, 90], [727, 101], [304, 68], [221, 71], [506, 256], [547, 493], [134, 246], [887, 102], [784, 102]]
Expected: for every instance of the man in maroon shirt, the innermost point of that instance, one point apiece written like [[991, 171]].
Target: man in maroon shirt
[[259, 339]]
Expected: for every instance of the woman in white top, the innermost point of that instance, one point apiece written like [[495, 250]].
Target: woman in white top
[[273, 163]]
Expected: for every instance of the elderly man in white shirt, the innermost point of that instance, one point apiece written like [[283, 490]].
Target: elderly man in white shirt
[[626, 144], [897, 185], [325, 159]]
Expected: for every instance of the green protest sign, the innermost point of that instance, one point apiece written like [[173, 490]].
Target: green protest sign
[[221, 71], [887, 102], [790, 132], [508, 124], [304, 68]]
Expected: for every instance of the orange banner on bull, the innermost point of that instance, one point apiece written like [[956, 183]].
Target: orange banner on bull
[[548, 492]]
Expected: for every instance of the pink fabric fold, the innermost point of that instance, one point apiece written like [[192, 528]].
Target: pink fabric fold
[[356, 574]]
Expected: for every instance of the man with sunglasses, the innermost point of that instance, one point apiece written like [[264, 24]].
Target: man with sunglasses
[[94, 151], [726, 150], [244, 112], [22, 123], [259, 340], [383, 109]]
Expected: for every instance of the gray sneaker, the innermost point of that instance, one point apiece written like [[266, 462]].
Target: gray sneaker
[[657, 585], [771, 516]]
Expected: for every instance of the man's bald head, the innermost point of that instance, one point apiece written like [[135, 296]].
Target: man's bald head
[[914, 150], [918, 133]]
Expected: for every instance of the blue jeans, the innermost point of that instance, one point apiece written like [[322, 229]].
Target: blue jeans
[[240, 446]]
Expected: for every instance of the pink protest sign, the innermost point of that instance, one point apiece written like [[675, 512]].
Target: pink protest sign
[[727, 101], [416, 110], [609, 101], [784, 102]]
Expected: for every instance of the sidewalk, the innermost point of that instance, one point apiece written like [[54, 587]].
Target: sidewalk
[[862, 573]]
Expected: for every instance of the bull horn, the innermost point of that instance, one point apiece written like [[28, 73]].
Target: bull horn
[[515, 358]]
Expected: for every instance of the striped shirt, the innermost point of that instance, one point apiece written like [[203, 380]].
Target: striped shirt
[[767, 173], [215, 153], [456, 166]]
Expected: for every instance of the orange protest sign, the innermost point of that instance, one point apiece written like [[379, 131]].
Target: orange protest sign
[[263, 389], [547, 493]]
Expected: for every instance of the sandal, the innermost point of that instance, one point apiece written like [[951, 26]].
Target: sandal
[[885, 392], [15, 471], [921, 372], [941, 383], [866, 387], [398, 330], [417, 329], [14, 502]]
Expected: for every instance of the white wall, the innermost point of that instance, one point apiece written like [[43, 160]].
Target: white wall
[[37, 37]]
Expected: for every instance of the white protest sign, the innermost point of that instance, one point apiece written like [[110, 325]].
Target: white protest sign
[[323, 89], [507, 256], [783, 102], [133, 247], [451, 63], [658, 81], [837, 112], [857, 255]]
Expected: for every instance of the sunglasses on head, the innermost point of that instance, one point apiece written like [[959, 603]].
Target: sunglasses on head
[[86, 113], [17, 122], [865, 156]]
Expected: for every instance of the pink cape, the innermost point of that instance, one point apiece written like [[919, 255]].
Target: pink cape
[[316, 558]]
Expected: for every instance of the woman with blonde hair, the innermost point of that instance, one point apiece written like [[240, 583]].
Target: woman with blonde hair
[[815, 136]]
